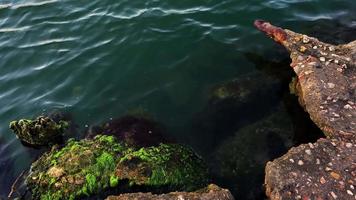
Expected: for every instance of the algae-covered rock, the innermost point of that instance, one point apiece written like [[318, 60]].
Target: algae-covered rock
[[171, 166], [42, 131], [92, 166]]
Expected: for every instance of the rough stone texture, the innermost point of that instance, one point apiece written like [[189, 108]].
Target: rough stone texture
[[326, 87], [323, 170], [326, 79], [43, 131], [209, 193]]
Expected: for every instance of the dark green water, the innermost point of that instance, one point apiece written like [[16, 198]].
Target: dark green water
[[100, 59]]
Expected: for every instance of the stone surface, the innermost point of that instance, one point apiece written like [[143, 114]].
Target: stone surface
[[322, 170], [326, 79], [325, 86], [43, 131], [212, 192]]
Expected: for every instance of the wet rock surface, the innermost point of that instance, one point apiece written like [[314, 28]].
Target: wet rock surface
[[325, 85], [209, 193], [42, 131], [326, 79]]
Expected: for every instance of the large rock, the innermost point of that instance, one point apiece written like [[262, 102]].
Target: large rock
[[212, 192], [322, 170], [94, 166], [326, 79], [325, 84]]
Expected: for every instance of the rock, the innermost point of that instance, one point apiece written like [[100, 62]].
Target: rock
[[222, 116], [42, 131], [326, 79], [212, 192], [138, 131], [328, 172], [240, 159], [94, 166], [326, 88]]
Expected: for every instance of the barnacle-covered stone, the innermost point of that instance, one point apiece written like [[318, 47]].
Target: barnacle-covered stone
[[42, 131], [92, 166], [326, 81], [325, 85]]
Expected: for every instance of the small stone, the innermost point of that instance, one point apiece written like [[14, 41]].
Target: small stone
[[336, 61], [348, 145], [349, 192], [339, 69], [335, 175], [333, 195], [322, 59], [291, 160], [300, 162], [302, 49], [328, 169], [318, 161], [305, 39], [331, 85], [331, 48], [352, 187], [315, 47], [322, 180], [308, 151], [347, 106]]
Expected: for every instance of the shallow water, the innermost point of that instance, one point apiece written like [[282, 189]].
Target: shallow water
[[101, 59]]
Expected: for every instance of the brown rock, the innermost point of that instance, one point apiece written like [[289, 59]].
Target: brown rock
[[326, 87], [326, 78], [311, 179], [212, 192]]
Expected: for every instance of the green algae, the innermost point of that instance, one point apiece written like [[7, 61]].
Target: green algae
[[42, 131], [91, 166], [81, 168], [167, 165]]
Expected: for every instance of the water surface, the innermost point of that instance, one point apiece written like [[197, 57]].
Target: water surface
[[100, 59]]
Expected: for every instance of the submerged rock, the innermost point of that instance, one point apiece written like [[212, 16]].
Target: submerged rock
[[325, 85], [212, 192], [92, 166], [240, 159], [137, 131], [42, 131], [326, 79], [228, 105]]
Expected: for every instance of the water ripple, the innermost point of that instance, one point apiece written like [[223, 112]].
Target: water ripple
[[50, 41]]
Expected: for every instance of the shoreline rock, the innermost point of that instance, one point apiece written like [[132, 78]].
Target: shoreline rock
[[42, 131], [325, 85], [211, 192], [92, 167]]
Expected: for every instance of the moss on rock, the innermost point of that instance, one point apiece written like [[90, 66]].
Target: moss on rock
[[92, 166], [169, 166], [42, 131]]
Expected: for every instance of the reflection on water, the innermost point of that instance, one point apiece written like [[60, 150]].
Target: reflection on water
[[100, 59]]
